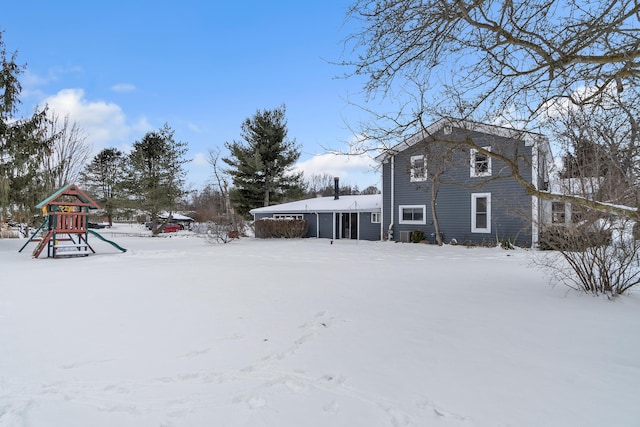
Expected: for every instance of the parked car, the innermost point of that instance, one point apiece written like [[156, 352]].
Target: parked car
[[96, 225], [170, 228]]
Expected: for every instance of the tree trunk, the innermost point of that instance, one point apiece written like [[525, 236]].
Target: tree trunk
[[434, 212]]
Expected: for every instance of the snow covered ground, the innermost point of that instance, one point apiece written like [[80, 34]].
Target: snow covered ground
[[177, 332]]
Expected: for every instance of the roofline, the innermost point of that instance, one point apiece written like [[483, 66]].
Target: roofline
[[313, 211], [529, 138], [90, 203], [284, 209]]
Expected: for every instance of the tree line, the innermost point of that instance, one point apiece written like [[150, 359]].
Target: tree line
[[42, 153]]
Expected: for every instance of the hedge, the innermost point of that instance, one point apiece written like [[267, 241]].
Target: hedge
[[280, 228]]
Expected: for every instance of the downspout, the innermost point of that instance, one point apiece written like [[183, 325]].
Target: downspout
[[336, 196], [333, 226], [317, 225], [392, 198], [535, 208]]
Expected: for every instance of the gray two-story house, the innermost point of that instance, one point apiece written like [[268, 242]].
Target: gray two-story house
[[472, 190]]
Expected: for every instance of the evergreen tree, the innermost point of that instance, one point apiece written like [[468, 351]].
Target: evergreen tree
[[104, 177], [261, 166], [155, 173], [21, 145]]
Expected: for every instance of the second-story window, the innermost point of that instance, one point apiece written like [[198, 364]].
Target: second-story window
[[480, 163], [418, 168]]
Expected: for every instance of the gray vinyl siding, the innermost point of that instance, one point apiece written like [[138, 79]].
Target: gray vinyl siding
[[368, 230], [510, 205], [326, 225], [312, 222]]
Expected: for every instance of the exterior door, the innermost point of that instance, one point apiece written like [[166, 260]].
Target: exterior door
[[349, 228]]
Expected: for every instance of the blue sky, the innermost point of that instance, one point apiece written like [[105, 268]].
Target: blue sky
[[122, 68]]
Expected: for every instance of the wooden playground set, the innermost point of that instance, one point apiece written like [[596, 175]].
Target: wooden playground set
[[65, 231]]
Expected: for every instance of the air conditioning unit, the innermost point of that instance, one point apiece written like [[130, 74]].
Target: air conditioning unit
[[405, 236]]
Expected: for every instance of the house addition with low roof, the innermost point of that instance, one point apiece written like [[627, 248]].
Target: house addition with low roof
[[337, 217]]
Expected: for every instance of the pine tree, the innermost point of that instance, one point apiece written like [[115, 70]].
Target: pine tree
[[21, 145], [261, 166], [104, 179], [155, 174]]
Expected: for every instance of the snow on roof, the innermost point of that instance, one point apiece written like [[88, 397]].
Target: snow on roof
[[362, 203], [175, 216]]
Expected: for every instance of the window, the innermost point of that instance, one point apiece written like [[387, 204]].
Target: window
[[418, 168], [288, 216], [480, 163], [577, 213], [481, 213], [414, 214], [558, 215], [375, 217]]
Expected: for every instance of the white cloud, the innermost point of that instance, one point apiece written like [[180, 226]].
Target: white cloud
[[200, 159], [123, 87], [104, 123], [194, 127], [356, 169], [32, 80]]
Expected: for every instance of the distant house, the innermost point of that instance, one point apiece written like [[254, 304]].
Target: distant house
[[477, 202], [336, 217], [177, 218], [559, 213]]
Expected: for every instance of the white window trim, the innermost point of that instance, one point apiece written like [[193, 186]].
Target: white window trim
[[288, 216], [424, 214], [413, 160], [375, 217], [472, 164], [474, 197]]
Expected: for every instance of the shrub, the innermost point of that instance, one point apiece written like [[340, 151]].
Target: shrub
[[8, 234], [280, 228], [507, 243], [573, 238], [600, 259], [417, 236], [219, 233]]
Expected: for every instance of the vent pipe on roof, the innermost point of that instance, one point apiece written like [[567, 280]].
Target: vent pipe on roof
[[336, 188]]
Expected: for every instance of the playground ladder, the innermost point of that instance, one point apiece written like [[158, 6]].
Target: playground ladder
[[42, 244]]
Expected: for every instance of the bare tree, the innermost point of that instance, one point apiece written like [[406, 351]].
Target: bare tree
[[601, 141], [593, 252], [320, 184], [228, 225], [207, 203], [541, 48], [439, 157], [372, 189], [70, 151], [483, 61]]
